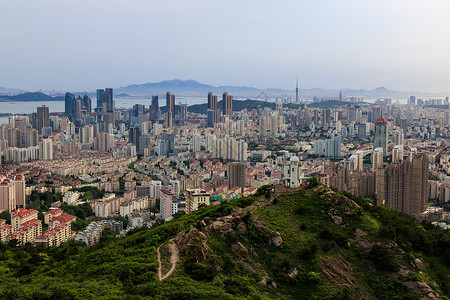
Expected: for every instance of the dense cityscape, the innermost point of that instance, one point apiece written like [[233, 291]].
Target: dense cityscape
[[149, 163], [224, 150]]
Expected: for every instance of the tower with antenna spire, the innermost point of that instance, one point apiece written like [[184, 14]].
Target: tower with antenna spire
[[296, 92]]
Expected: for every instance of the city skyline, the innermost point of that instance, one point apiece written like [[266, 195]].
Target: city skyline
[[328, 45]]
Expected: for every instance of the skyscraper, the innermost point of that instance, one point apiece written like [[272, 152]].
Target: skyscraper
[[170, 103], [381, 135], [87, 103], [138, 110], [169, 119], [155, 108], [43, 119], [327, 116], [78, 106], [333, 146], [134, 134], [316, 118], [102, 142], [212, 101], [85, 135], [46, 149], [105, 97], [31, 137], [376, 113], [69, 106], [351, 114], [166, 145], [196, 143], [227, 105], [211, 117], [377, 158], [184, 110], [145, 140], [362, 131], [212, 109], [404, 125], [236, 175]]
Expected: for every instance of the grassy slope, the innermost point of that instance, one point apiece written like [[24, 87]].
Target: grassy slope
[[326, 256]]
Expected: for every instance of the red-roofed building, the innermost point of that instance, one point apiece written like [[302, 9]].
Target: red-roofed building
[[222, 188], [4, 231], [2, 222], [27, 233], [55, 236], [49, 215], [382, 120], [64, 219], [19, 236], [21, 215]]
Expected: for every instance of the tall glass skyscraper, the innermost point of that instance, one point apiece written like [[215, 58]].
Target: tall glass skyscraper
[[105, 97], [69, 106], [155, 109], [381, 135]]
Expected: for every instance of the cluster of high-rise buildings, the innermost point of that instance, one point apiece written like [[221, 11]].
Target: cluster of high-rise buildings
[[185, 159], [214, 113], [402, 185]]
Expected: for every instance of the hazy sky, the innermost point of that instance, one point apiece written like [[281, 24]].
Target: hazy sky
[[88, 44]]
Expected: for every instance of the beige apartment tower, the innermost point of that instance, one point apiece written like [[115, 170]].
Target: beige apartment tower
[[403, 185]]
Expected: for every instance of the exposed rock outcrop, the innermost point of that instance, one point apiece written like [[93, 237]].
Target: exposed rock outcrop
[[418, 264], [422, 288], [193, 243]]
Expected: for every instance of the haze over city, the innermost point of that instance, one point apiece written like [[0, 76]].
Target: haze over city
[[82, 45], [224, 149]]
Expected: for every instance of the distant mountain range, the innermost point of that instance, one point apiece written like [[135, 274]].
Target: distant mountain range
[[4, 90], [192, 88], [195, 88], [29, 97]]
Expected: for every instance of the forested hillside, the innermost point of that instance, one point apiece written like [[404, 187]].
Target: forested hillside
[[312, 243]]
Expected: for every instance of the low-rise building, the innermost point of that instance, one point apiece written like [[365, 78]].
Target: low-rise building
[[71, 197], [49, 215], [21, 215], [91, 235], [4, 231], [55, 236], [64, 219], [136, 204], [103, 208], [196, 197], [26, 233]]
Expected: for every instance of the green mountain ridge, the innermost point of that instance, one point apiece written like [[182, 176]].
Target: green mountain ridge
[[239, 105], [29, 97], [314, 243]]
